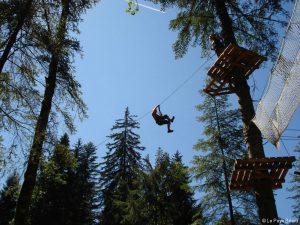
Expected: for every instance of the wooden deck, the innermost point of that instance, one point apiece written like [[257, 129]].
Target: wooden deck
[[246, 172], [232, 59]]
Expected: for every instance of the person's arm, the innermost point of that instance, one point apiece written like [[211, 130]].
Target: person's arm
[[159, 112], [155, 110]]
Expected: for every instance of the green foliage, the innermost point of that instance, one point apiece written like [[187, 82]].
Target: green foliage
[[295, 188], [85, 186], [239, 219], [163, 194], [133, 7], [53, 200], [8, 199], [120, 167], [2, 161], [253, 22], [54, 50], [208, 166], [67, 191]]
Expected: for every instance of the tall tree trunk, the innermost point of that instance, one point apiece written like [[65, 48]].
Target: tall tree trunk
[[263, 190], [22, 210], [23, 14]]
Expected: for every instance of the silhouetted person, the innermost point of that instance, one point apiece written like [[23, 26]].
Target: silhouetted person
[[217, 44], [161, 119]]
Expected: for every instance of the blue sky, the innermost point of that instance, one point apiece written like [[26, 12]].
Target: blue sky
[[128, 61]]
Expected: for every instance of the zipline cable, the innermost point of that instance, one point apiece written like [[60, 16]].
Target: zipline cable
[[220, 140], [171, 94], [179, 86], [285, 148]]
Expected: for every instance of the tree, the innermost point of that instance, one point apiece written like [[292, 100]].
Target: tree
[[240, 220], [295, 189], [54, 199], [18, 94], [246, 23], [66, 190], [165, 195], [8, 199], [249, 23], [13, 19], [208, 167], [118, 171], [84, 185], [2, 161], [57, 48], [181, 193]]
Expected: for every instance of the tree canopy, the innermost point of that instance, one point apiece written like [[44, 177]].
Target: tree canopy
[[253, 23]]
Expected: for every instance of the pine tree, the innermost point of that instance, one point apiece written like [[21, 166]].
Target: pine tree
[[19, 96], [118, 171], [84, 185], [295, 189], [2, 162], [53, 201], [166, 196], [57, 49], [8, 199], [182, 195], [209, 168], [250, 24], [67, 190], [156, 191], [15, 15]]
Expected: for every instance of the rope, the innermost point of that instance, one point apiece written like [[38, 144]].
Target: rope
[[285, 148], [171, 94]]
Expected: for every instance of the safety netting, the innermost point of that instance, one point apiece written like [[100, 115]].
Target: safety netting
[[282, 94]]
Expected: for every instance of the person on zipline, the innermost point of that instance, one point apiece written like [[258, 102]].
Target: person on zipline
[[217, 44], [161, 119]]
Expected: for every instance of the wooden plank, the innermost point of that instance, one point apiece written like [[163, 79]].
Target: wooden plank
[[283, 173], [239, 176], [233, 57], [233, 175], [245, 172]]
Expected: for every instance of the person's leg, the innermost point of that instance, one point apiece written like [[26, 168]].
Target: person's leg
[[166, 118], [167, 121], [169, 127]]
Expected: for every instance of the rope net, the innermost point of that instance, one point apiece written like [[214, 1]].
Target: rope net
[[282, 95]]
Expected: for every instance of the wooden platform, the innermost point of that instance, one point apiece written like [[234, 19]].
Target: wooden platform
[[233, 60], [246, 172]]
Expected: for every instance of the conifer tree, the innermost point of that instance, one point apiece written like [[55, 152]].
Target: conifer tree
[[14, 14], [208, 167], [118, 171], [53, 203], [166, 196], [84, 185], [159, 188], [8, 199], [18, 79], [295, 188], [250, 24], [67, 190], [57, 48], [181, 193]]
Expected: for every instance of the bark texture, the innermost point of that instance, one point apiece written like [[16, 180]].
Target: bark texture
[[22, 210], [24, 12], [263, 189]]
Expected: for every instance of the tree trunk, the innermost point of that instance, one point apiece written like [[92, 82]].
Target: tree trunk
[[24, 12], [263, 189], [22, 210]]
